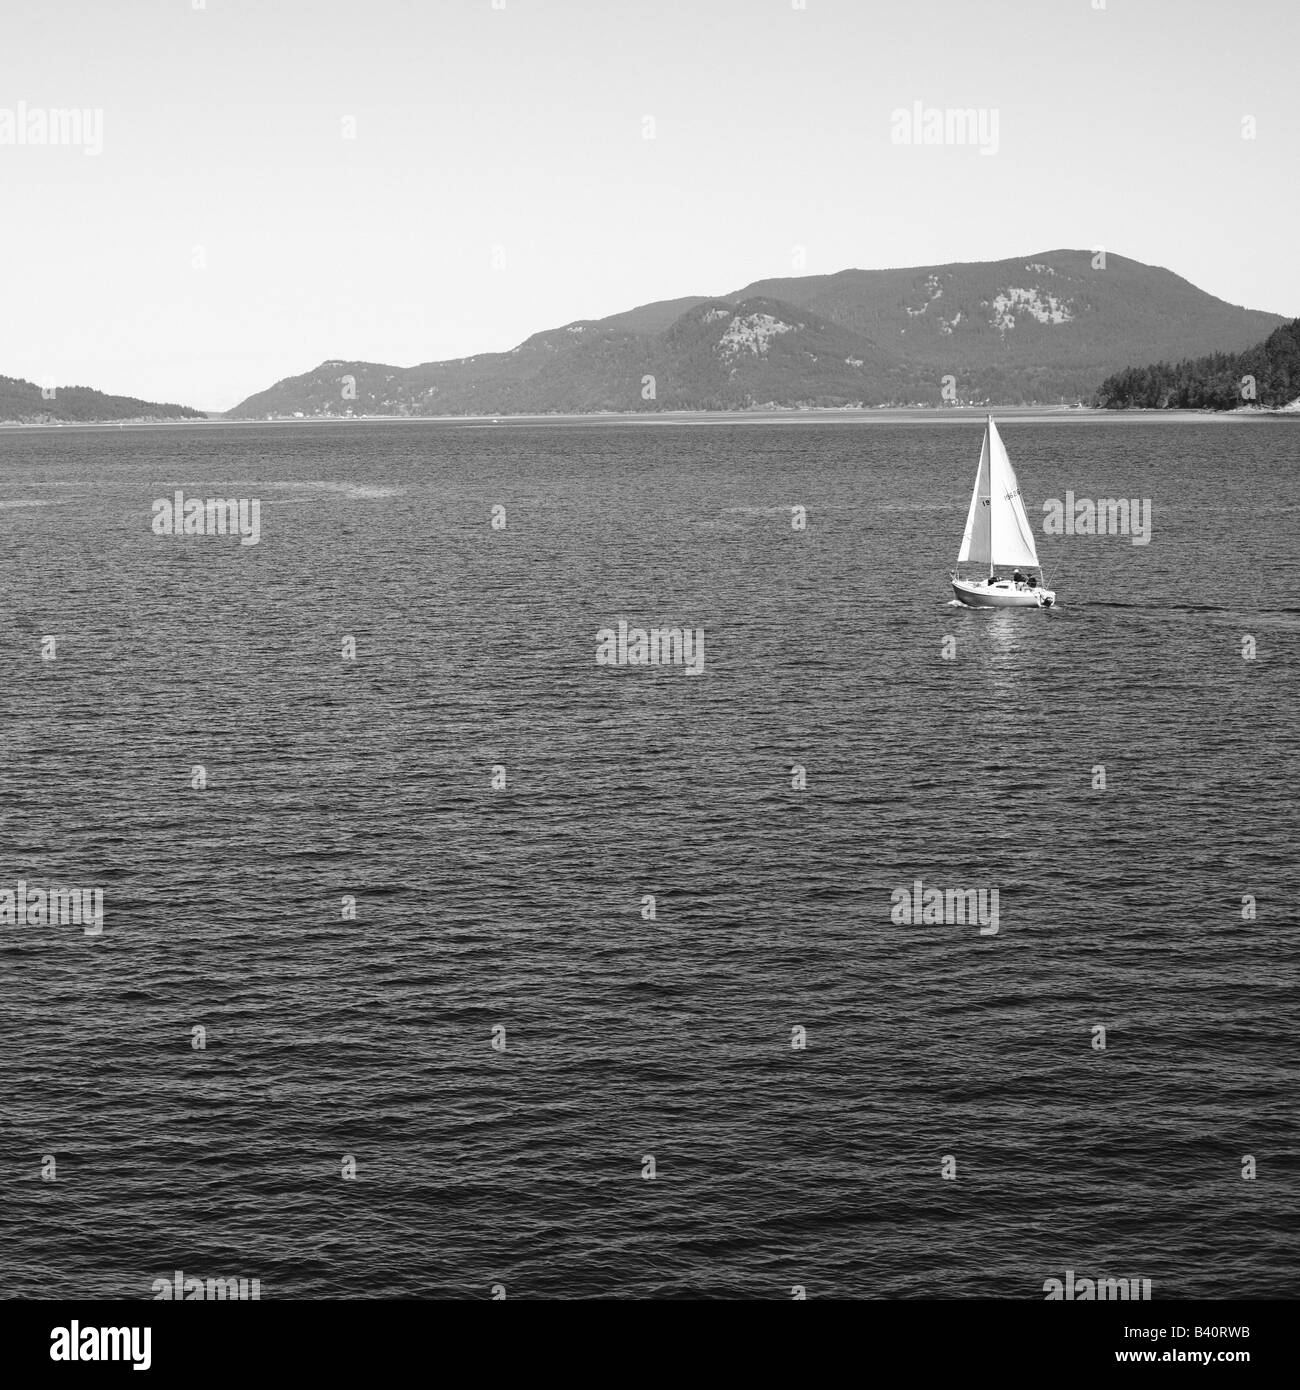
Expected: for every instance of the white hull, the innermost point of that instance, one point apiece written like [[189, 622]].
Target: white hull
[[1001, 593]]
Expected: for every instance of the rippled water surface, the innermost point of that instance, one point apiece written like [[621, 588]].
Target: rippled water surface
[[521, 907]]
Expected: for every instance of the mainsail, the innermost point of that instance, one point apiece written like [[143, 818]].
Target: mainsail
[[997, 529], [975, 542]]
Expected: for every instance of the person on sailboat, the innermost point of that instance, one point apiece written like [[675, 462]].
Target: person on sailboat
[[1018, 578]]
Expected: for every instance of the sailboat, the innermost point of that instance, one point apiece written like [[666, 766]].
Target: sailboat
[[998, 535]]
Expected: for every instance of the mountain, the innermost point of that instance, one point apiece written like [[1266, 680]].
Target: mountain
[[1266, 375], [22, 402], [1046, 328]]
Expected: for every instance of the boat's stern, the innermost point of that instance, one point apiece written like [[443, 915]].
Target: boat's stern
[[1000, 593]]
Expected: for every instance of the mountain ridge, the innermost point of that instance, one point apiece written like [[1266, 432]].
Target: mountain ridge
[[1042, 329], [24, 403]]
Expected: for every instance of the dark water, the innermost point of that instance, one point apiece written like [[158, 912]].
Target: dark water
[[521, 907]]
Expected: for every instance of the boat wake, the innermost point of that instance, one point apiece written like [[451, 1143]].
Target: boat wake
[[1278, 619], [1167, 607], [350, 492]]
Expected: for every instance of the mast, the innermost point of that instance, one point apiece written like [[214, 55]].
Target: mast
[[988, 436]]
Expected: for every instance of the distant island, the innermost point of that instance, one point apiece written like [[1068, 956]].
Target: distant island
[[1266, 376], [1040, 330], [25, 403]]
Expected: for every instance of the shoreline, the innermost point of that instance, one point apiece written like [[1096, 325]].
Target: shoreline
[[812, 415]]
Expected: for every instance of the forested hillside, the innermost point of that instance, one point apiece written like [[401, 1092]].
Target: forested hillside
[[1265, 375]]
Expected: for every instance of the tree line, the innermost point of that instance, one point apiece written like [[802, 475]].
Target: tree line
[[1266, 375]]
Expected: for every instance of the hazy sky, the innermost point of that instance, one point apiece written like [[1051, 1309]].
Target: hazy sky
[[516, 134]]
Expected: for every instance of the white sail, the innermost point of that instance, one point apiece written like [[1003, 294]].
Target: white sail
[[997, 529], [998, 535], [975, 541], [1011, 542]]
